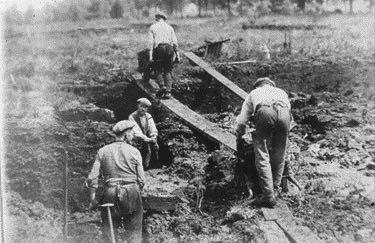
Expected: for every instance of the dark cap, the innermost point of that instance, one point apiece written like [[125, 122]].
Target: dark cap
[[122, 126], [261, 81]]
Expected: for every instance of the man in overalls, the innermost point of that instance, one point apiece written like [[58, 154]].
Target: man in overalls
[[145, 132], [163, 48], [270, 109], [120, 165]]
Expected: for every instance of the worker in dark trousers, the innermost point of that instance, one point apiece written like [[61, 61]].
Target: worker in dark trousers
[[145, 132], [120, 165], [163, 49], [270, 110]]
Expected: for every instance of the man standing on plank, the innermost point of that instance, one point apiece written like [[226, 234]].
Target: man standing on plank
[[120, 165], [163, 47], [270, 109], [145, 132]]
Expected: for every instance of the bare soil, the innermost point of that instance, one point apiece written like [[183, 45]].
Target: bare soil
[[65, 81]]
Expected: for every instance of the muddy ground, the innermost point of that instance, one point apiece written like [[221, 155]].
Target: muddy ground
[[69, 89]]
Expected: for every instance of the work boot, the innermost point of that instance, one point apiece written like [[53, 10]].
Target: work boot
[[161, 93], [268, 202], [167, 95]]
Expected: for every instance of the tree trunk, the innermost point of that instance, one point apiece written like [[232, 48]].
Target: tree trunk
[[351, 6], [199, 8], [214, 6], [228, 6]]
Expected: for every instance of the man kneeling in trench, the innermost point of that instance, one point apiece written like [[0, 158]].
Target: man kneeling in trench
[[270, 109], [145, 132], [120, 165]]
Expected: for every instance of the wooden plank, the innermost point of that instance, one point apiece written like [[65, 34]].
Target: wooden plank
[[191, 118], [218, 76], [272, 232], [280, 211], [297, 233]]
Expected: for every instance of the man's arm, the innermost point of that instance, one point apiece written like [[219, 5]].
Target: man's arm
[[137, 132], [92, 181], [151, 44], [152, 127], [174, 39], [244, 116], [139, 167]]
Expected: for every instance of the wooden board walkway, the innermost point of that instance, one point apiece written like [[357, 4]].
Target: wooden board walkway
[[218, 76], [191, 118]]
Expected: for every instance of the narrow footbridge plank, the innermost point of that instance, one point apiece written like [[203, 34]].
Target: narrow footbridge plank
[[218, 76], [272, 232], [191, 118]]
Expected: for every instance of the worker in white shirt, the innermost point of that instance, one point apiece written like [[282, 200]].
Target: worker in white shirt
[[145, 132], [163, 49], [269, 109]]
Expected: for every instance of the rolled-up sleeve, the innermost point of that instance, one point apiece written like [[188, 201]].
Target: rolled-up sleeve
[[174, 38], [93, 177], [151, 39], [246, 111], [152, 127]]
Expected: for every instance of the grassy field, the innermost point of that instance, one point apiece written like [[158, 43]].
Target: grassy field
[[338, 62]]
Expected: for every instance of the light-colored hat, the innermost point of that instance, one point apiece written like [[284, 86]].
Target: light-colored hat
[[144, 101], [122, 126], [160, 14], [265, 80]]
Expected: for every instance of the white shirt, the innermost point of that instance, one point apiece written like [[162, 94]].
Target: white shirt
[[264, 94], [161, 32], [146, 121]]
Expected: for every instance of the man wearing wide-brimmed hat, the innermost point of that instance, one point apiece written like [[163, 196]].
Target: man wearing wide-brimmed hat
[[120, 166], [145, 132], [163, 49], [269, 109]]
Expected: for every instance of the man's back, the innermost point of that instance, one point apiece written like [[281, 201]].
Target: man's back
[[268, 94], [163, 33], [120, 160]]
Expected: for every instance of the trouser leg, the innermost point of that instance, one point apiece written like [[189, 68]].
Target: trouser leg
[[168, 81], [279, 145], [132, 209], [133, 226], [264, 121], [158, 66], [110, 197], [263, 166]]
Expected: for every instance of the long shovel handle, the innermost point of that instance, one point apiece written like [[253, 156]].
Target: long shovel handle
[[113, 240]]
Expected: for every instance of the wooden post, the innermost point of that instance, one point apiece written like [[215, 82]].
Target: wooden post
[[66, 171]]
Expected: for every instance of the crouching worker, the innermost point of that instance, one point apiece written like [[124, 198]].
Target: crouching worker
[[163, 49], [271, 112], [120, 165], [145, 132]]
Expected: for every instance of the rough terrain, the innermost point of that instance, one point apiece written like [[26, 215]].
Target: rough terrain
[[69, 89]]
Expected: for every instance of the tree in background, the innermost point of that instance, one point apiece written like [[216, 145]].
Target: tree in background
[[12, 15], [116, 11], [99, 8], [30, 14]]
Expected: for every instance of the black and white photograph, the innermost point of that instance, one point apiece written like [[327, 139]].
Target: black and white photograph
[[178, 121]]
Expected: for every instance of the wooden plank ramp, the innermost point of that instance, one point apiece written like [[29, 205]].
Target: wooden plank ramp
[[282, 216], [218, 76], [191, 118]]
